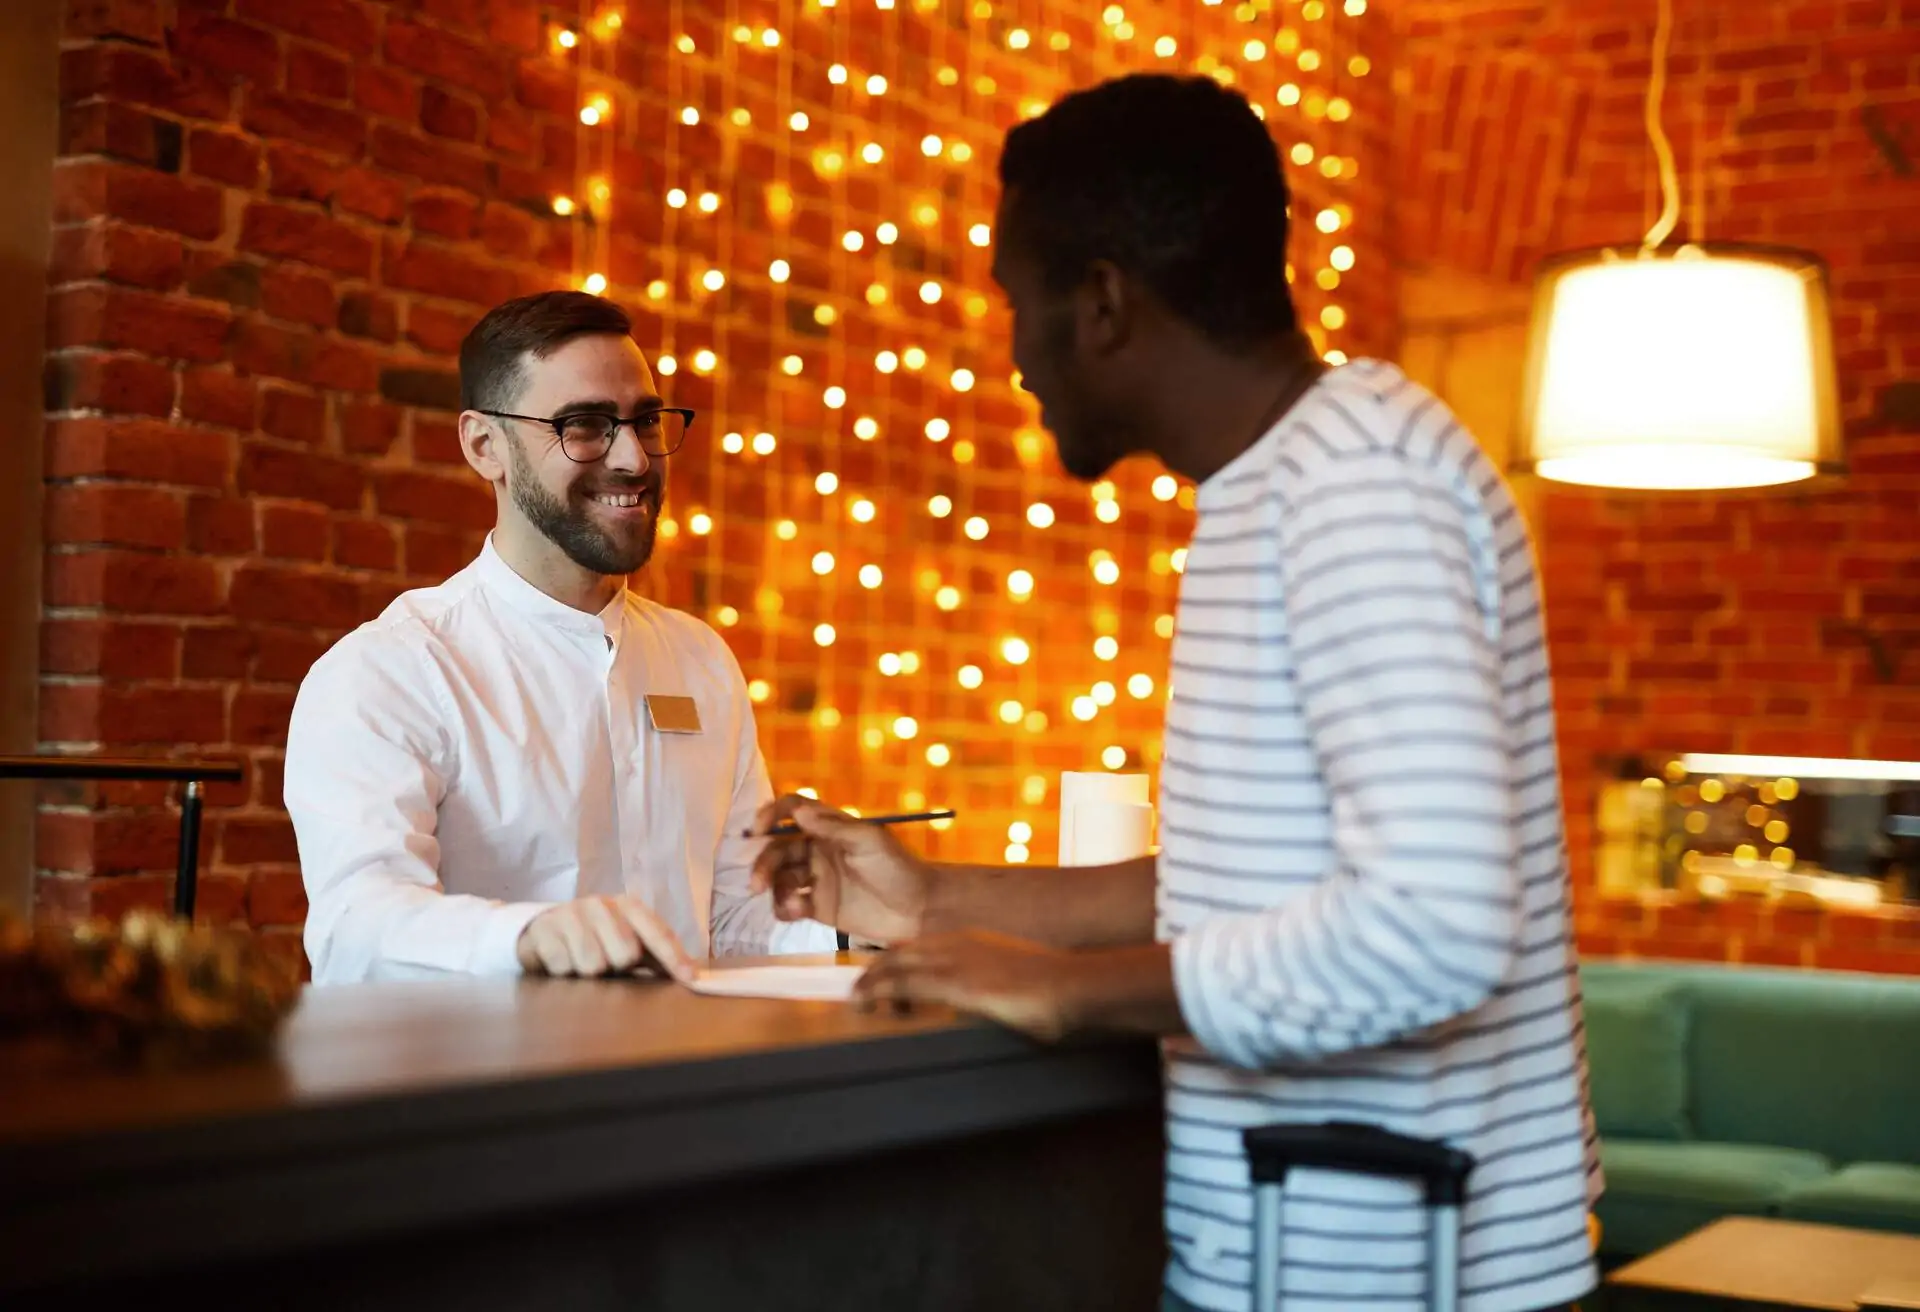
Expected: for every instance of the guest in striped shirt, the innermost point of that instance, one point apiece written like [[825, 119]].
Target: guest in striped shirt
[[1360, 908]]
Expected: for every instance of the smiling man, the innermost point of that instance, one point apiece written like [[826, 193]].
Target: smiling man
[[531, 767]]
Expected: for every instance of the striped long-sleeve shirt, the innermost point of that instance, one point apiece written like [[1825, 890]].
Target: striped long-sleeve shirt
[[1363, 868]]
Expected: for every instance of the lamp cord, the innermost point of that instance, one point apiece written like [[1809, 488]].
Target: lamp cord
[[1662, 148]]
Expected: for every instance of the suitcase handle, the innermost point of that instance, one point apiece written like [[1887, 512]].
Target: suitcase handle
[[1273, 1150]]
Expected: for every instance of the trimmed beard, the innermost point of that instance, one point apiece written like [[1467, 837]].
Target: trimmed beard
[[571, 527]]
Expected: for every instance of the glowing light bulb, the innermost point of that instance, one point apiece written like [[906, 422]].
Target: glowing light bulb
[[937, 430], [1163, 626], [1341, 258], [733, 444], [938, 754], [963, 452], [770, 38], [759, 690], [824, 315], [962, 380], [1016, 854], [1165, 488], [664, 365], [873, 152], [1140, 686], [677, 199], [870, 577], [595, 111], [709, 202], [1288, 94], [1327, 220], [1103, 693], [1106, 511], [909, 662], [862, 511], [798, 120], [713, 280], [763, 444], [1012, 712], [906, 727], [959, 152], [823, 562], [596, 283], [1020, 584], [888, 233], [1015, 651], [886, 362], [837, 74], [704, 361], [865, 428], [1040, 515], [1166, 47], [726, 617], [947, 598], [563, 206], [1333, 317], [786, 530], [1335, 357], [566, 38], [1355, 8], [827, 484], [889, 663], [913, 357], [690, 116], [925, 215], [970, 676], [930, 292], [975, 528], [779, 271], [876, 85], [1107, 572], [940, 507], [1106, 648], [1113, 757], [791, 365], [823, 635], [834, 397], [1178, 560], [852, 240], [1084, 708]]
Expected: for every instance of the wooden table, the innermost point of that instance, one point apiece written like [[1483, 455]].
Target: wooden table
[[594, 1144], [1750, 1262]]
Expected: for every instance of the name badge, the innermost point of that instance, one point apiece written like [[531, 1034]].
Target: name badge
[[673, 714]]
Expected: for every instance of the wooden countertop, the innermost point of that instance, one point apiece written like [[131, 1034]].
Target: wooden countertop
[[390, 1106]]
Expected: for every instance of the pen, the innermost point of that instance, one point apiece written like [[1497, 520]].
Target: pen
[[905, 818]]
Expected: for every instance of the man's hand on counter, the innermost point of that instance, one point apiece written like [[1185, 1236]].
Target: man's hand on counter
[[1046, 993], [836, 870], [601, 936]]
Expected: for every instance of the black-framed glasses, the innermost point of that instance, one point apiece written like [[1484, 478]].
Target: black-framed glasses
[[588, 436]]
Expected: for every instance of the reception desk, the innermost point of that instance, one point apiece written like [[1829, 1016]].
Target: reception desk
[[593, 1144]]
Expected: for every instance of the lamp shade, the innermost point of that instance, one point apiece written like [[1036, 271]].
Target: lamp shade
[[1703, 367]]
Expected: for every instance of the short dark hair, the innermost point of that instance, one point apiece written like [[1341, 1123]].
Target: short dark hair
[[1173, 179], [493, 355]]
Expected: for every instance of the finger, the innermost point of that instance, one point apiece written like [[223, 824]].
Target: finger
[[551, 948], [777, 855], [582, 947], [658, 940], [618, 943], [778, 811]]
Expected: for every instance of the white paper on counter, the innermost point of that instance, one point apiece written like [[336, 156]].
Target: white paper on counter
[[1103, 818], [833, 983]]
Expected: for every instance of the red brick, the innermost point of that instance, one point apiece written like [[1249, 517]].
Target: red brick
[[293, 533], [212, 395], [345, 25], [509, 233], [371, 195], [541, 85], [462, 502], [221, 526], [295, 416], [116, 514], [289, 596], [108, 447], [105, 127], [136, 321], [430, 161], [510, 130], [217, 652], [368, 427], [449, 214], [344, 366], [436, 330], [142, 77], [84, 189], [285, 656], [113, 899], [114, 252], [445, 115], [386, 92], [310, 122], [276, 897], [248, 840], [261, 346], [365, 544], [133, 582], [225, 157], [441, 54], [369, 314], [107, 842], [109, 649], [436, 554], [260, 718], [117, 383], [302, 234], [237, 50], [312, 72], [126, 715], [287, 292], [300, 475], [424, 267], [127, 20], [437, 442], [296, 173]]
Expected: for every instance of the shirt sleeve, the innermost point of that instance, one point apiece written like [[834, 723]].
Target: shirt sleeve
[[743, 924], [368, 756], [1391, 613]]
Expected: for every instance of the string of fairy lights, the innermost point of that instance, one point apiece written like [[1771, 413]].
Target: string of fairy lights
[[870, 512]]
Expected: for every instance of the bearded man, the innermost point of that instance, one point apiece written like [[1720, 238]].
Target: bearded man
[[530, 767]]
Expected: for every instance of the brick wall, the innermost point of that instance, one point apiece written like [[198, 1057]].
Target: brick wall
[[1711, 623], [276, 218]]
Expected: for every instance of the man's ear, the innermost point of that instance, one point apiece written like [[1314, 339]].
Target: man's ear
[[481, 442], [1104, 306]]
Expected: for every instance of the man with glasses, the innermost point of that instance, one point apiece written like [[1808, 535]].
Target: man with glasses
[[531, 767]]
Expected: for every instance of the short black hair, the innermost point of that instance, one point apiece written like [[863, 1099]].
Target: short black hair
[[1173, 179], [494, 353]]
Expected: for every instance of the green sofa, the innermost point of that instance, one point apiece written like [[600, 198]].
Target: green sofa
[[1727, 1090]]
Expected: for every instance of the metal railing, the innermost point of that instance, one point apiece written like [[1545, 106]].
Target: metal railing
[[100, 769]]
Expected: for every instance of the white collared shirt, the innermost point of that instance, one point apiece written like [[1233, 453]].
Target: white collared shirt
[[482, 751]]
